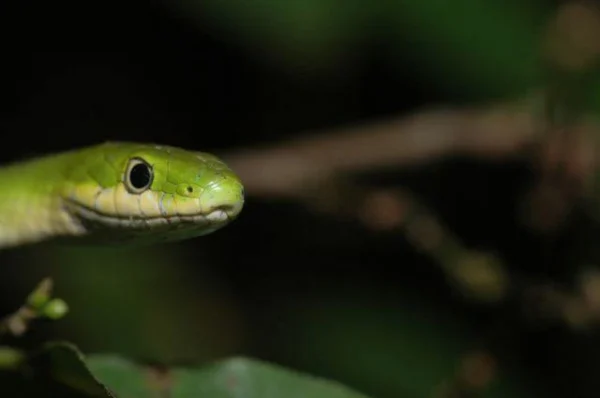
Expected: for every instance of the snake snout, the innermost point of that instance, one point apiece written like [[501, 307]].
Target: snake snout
[[225, 197]]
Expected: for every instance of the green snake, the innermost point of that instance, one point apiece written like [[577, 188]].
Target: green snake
[[117, 192]]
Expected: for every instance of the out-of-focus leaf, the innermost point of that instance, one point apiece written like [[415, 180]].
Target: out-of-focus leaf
[[483, 48], [306, 33], [64, 363], [480, 48], [230, 378]]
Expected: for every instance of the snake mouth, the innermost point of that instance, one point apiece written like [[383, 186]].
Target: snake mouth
[[92, 218]]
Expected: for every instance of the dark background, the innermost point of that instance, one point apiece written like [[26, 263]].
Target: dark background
[[309, 291]]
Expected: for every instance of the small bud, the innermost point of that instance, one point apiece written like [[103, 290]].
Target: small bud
[[55, 309]]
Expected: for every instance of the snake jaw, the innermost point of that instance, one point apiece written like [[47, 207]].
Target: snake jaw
[[116, 228], [117, 212]]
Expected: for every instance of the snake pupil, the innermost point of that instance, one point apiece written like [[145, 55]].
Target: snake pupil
[[140, 176]]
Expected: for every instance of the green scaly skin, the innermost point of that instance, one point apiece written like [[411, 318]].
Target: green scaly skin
[[87, 196]]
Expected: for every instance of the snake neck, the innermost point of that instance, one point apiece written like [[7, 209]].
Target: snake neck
[[30, 208]]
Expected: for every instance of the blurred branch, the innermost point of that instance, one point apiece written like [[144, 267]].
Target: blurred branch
[[570, 52], [552, 130], [578, 308], [566, 159], [283, 170], [477, 275], [547, 129]]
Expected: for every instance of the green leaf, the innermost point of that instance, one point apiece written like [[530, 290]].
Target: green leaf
[[63, 362], [235, 377], [60, 366]]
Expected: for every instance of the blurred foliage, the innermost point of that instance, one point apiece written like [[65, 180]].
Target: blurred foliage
[[481, 49], [149, 292]]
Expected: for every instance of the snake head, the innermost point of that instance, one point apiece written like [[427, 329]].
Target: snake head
[[122, 191]]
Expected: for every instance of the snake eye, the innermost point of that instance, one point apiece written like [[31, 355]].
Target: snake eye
[[139, 176]]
